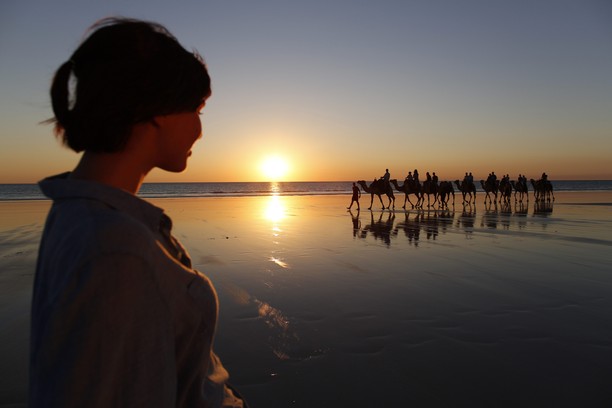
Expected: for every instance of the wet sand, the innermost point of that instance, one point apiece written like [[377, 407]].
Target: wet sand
[[320, 307]]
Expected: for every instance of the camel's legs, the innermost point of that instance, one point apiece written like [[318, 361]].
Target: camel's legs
[[407, 198]]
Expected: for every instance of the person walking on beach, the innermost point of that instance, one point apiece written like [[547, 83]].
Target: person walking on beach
[[119, 315], [356, 197]]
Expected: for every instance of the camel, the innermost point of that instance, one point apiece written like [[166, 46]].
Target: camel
[[548, 188], [467, 189], [542, 190], [520, 189], [505, 190], [537, 189], [408, 189], [378, 188], [489, 188], [445, 190], [429, 188]]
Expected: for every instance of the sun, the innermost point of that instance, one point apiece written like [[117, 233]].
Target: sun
[[274, 168]]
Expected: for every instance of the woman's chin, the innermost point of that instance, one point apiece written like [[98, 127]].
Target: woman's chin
[[175, 167]]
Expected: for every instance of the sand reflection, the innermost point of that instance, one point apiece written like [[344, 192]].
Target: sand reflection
[[279, 262], [275, 211]]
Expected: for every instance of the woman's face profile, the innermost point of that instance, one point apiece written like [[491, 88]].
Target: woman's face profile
[[178, 132]]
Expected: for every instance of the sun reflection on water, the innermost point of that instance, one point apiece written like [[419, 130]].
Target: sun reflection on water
[[275, 210]]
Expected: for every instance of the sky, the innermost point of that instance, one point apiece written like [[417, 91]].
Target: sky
[[342, 90]]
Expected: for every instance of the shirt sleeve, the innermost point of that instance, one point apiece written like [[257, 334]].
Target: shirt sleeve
[[108, 340]]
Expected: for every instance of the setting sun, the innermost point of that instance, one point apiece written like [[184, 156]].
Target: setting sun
[[274, 168]]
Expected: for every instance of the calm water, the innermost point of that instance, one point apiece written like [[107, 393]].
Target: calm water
[[175, 190]]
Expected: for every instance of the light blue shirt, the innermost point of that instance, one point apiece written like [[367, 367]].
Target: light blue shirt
[[119, 317]]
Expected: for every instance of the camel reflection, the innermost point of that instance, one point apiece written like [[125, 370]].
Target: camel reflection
[[497, 214], [505, 212], [508, 215], [543, 208], [446, 219], [380, 229], [420, 225], [489, 218], [467, 219], [430, 222], [434, 221], [520, 211], [411, 228]]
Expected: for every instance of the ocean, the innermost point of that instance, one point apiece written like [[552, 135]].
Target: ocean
[[16, 192]]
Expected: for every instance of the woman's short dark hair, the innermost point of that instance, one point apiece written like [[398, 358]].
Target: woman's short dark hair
[[125, 72]]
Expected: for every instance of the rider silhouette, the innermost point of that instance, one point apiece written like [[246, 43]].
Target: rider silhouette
[[386, 178]]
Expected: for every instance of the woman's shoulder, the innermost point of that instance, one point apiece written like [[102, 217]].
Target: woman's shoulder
[[101, 228]]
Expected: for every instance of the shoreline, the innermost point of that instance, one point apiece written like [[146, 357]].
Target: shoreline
[[31, 192], [397, 194]]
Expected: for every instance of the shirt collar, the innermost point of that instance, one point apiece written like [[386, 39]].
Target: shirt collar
[[62, 187]]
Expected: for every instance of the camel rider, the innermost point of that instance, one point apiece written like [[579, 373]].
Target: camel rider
[[428, 177], [409, 180], [470, 179], [415, 174], [544, 177], [387, 175], [435, 178], [465, 179], [386, 178], [504, 181]]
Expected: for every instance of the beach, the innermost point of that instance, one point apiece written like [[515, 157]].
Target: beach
[[476, 305]]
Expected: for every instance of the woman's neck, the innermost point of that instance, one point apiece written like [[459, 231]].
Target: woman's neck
[[113, 169]]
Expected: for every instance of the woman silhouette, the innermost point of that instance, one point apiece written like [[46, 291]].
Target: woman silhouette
[[119, 317]]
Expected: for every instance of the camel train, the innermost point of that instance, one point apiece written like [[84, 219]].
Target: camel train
[[502, 191]]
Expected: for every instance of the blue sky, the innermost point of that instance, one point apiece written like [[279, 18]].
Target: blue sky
[[344, 89]]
